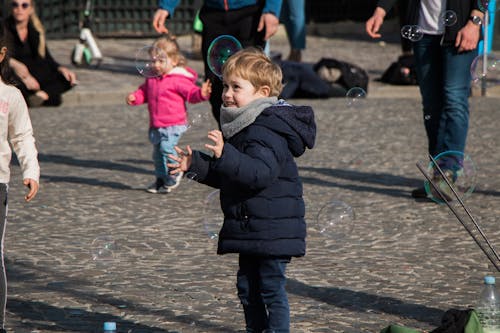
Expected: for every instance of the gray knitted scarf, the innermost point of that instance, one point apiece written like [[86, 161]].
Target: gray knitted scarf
[[233, 119]]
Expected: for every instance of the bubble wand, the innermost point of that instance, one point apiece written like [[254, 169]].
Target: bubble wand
[[490, 251]]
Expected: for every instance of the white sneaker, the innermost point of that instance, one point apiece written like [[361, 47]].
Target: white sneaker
[[178, 178]]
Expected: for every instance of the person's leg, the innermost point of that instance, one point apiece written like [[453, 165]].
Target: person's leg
[[428, 65], [241, 24], [248, 287], [3, 275], [170, 137], [455, 118], [273, 292], [295, 24], [55, 87]]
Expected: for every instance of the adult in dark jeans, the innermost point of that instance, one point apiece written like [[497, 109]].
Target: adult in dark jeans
[[442, 59], [40, 78], [252, 22]]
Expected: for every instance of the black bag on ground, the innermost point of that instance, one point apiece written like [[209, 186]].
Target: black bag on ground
[[401, 72], [350, 75]]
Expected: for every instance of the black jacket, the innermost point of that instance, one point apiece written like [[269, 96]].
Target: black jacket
[[462, 8], [260, 187]]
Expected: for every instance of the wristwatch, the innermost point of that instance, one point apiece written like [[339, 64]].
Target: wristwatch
[[476, 20]]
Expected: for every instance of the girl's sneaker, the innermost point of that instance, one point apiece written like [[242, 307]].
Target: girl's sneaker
[[157, 187], [178, 178]]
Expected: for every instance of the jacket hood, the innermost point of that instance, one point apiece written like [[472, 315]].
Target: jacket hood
[[295, 123]]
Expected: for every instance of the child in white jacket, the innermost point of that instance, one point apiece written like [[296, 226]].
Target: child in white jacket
[[15, 132]]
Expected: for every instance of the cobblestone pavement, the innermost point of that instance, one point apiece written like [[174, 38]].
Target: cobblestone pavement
[[405, 261]]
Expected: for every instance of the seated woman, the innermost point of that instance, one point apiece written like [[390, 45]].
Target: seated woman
[[40, 78]]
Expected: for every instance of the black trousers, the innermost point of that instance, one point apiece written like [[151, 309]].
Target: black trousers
[[240, 23], [54, 85]]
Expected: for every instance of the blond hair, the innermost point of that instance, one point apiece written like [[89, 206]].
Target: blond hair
[[169, 46], [37, 24], [253, 65]]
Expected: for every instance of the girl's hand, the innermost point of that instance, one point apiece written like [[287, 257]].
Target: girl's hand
[[130, 99], [32, 185], [218, 146], [183, 160], [206, 88]]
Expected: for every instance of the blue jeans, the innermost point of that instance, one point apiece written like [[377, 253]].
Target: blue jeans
[[294, 18], [261, 288], [164, 140], [444, 79]]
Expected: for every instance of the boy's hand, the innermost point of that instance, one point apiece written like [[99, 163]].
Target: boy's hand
[[130, 99], [218, 146], [183, 160], [33, 188], [206, 88]]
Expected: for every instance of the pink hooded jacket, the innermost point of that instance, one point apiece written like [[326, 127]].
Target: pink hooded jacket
[[167, 96]]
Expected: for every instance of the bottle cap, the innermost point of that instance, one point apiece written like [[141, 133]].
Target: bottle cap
[[110, 326], [489, 279]]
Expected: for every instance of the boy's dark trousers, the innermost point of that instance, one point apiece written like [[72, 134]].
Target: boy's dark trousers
[[261, 288]]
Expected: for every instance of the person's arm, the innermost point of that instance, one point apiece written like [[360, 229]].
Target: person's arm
[[468, 37], [165, 9], [270, 18], [23, 73], [373, 24], [20, 133]]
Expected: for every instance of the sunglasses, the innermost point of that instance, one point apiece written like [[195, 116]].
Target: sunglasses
[[24, 5]]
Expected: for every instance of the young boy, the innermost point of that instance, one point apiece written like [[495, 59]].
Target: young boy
[[260, 188]]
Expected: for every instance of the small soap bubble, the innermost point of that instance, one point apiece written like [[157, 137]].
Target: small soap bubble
[[449, 18], [355, 95], [220, 50], [197, 117], [335, 220], [103, 248], [212, 215], [148, 59], [485, 70], [459, 170], [412, 32]]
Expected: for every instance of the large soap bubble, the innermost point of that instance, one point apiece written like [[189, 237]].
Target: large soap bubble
[[146, 59], [220, 50], [212, 215], [460, 171], [335, 220]]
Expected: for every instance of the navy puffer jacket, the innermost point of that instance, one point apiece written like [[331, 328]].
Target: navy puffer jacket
[[260, 187]]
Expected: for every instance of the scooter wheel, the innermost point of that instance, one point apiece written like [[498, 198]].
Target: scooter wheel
[[84, 61]]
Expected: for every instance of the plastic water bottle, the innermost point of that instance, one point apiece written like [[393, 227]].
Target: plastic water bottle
[[109, 327], [488, 306]]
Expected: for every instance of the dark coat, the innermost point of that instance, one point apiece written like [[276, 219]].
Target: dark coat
[[462, 8], [260, 187]]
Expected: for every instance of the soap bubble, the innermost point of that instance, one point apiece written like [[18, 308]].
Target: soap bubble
[[460, 171], [220, 50], [212, 215], [355, 95], [198, 117], [335, 219], [412, 32], [145, 59], [449, 18], [103, 248], [485, 70]]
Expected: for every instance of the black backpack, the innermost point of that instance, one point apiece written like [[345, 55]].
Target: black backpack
[[351, 75]]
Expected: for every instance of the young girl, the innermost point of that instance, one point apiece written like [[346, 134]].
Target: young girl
[[166, 95], [15, 131], [260, 188]]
